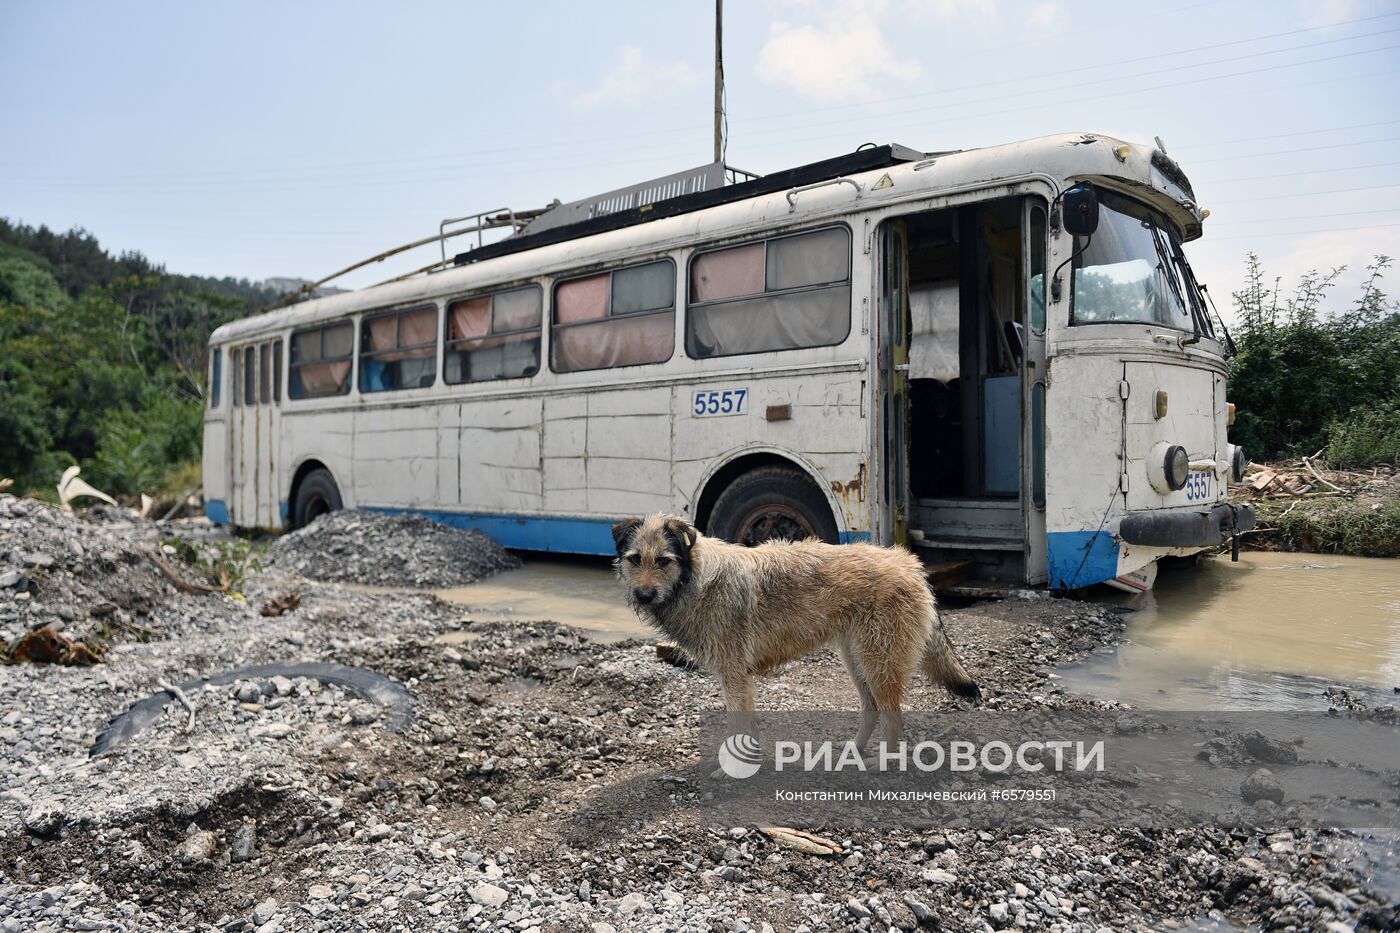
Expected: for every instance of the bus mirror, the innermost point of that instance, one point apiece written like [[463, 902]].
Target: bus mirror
[[1081, 209]]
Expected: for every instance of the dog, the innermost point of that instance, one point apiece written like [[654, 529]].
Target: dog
[[744, 611]]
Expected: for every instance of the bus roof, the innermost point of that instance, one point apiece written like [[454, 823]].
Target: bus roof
[[1142, 171]]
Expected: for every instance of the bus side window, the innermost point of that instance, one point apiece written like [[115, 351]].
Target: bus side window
[[494, 336], [250, 376], [265, 371], [216, 375], [398, 350], [785, 293], [235, 370], [320, 361], [625, 317], [277, 371]]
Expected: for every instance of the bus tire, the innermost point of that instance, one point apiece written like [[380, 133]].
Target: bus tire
[[772, 503], [317, 495]]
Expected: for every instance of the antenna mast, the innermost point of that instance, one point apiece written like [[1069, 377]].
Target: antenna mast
[[719, 80]]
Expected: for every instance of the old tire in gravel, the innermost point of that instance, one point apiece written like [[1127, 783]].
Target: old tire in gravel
[[772, 503], [317, 495]]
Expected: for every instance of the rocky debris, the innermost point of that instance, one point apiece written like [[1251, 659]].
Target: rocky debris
[[1261, 785], [542, 785], [45, 646], [376, 549]]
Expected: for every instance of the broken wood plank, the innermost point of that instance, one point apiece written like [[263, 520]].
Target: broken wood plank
[[947, 573]]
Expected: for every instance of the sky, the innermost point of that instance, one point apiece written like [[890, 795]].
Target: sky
[[260, 139]]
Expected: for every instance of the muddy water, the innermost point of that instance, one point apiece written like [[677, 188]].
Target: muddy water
[[1270, 632], [581, 592]]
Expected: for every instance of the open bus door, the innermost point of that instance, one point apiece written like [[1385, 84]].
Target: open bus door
[[1033, 261], [895, 358]]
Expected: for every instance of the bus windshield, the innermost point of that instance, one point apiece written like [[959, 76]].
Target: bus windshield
[[1133, 270]]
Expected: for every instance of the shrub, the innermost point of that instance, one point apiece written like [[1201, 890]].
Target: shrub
[[1370, 437]]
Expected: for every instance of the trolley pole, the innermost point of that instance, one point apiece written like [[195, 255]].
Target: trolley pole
[[719, 80]]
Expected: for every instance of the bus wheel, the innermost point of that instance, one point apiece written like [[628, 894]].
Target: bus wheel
[[770, 504], [317, 495]]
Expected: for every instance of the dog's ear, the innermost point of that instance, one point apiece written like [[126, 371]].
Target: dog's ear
[[622, 531], [684, 534]]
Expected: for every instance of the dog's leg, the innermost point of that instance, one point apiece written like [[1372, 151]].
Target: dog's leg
[[739, 697], [869, 712]]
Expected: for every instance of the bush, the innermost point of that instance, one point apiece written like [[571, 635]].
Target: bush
[[1298, 370], [1368, 438]]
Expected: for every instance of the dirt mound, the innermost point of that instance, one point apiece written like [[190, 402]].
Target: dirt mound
[[387, 550]]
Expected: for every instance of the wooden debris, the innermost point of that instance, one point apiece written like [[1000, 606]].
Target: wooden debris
[[279, 604], [182, 584], [801, 840], [1300, 479], [5, 483], [184, 701], [45, 646], [671, 653]]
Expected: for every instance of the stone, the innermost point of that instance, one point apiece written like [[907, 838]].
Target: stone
[[264, 911], [199, 846], [858, 910], [44, 822], [1261, 785], [921, 911], [632, 903], [362, 714], [248, 692], [320, 892], [939, 876], [1270, 750], [281, 685], [10, 578], [244, 841], [488, 895]]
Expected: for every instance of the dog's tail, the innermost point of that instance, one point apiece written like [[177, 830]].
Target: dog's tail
[[941, 665]]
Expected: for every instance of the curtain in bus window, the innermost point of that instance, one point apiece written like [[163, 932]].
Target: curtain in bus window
[[306, 346], [235, 369], [337, 340], [216, 376], [727, 273], [515, 310], [250, 377], [471, 318], [643, 288], [581, 299], [773, 322], [818, 258], [617, 342], [277, 371], [323, 378]]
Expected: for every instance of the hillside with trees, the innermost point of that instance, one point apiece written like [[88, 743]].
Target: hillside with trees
[[102, 360]]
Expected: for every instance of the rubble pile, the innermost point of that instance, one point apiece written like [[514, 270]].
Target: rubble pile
[[71, 576], [1307, 478], [376, 549]]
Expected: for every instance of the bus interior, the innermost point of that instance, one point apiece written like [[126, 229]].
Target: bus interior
[[963, 306]]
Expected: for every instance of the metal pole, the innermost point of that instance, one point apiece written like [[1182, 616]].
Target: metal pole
[[719, 80]]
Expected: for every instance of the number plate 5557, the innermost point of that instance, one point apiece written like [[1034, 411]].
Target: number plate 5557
[[716, 402]]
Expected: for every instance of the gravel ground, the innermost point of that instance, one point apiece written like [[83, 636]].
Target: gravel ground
[[546, 782], [374, 549]]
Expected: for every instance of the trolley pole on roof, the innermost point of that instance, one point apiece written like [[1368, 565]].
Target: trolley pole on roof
[[719, 80]]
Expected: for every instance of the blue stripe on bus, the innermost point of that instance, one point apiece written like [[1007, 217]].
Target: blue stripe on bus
[[1079, 558], [528, 533], [284, 508], [545, 533], [217, 511]]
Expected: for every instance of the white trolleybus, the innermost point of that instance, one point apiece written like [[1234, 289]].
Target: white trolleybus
[[999, 358]]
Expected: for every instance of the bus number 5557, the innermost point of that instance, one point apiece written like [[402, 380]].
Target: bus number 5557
[[709, 402]]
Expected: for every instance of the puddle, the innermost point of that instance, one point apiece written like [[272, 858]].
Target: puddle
[[1270, 632], [575, 591]]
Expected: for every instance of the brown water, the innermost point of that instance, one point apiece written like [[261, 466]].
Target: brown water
[[576, 591], [1270, 632]]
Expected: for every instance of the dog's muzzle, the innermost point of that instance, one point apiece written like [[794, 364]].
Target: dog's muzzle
[[646, 595]]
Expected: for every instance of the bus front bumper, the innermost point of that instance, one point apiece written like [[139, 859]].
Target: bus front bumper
[[1183, 528]]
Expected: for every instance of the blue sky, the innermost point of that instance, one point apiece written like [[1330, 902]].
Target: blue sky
[[261, 139]]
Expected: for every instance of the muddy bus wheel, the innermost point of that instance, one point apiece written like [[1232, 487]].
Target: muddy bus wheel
[[317, 495], [769, 504]]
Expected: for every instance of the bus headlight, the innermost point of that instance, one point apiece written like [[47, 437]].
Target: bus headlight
[[1168, 467], [1238, 463]]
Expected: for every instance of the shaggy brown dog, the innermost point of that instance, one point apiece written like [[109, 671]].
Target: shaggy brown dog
[[741, 611]]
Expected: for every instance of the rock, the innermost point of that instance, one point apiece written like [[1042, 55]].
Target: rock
[[380, 832], [362, 713], [600, 927], [999, 913], [487, 803], [922, 914], [281, 686], [244, 841], [199, 846], [44, 822], [1261, 785], [320, 892], [37, 559], [488, 895], [632, 903], [858, 910], [10, 578], [939, 876], [264, 911], [1273, 751]]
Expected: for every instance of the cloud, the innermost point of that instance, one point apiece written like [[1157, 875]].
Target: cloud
[[634, 80], [835, 60]]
